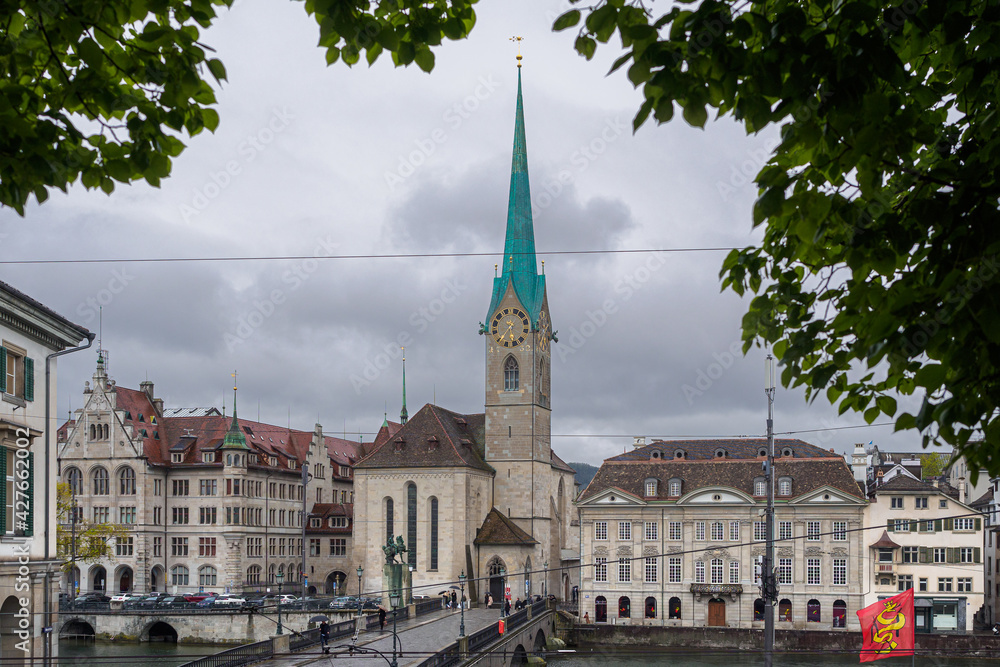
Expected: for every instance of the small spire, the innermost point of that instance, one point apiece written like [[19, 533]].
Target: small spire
[[234, 436], [403, 416], [517, 40]]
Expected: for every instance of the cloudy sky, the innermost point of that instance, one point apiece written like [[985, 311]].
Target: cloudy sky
[[321, 161]]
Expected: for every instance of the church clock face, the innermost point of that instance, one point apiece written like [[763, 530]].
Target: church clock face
[[510, 327], [545, 332]]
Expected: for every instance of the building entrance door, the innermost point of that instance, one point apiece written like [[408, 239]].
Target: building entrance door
[[716, 612]]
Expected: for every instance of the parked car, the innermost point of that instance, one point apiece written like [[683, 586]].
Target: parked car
[[92, 601], [229, 601], [124, 597], [196, 597], [172, 602], [344, 602], [207, 602]]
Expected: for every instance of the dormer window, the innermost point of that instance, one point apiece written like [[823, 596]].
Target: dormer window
[[720, 453], [674, 488], [760, 487], [272, 460], [785, 486], [315, 523], [291, 464], [208, 457], [655, 454], [650, 488], [176, 458], [678, 453], [762, 452], [787, 452]]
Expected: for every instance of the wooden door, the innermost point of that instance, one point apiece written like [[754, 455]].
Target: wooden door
[[716, 613]]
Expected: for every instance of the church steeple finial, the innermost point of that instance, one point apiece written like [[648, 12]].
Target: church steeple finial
[[403, 415], [234, 436]]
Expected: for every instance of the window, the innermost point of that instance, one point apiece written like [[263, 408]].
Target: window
[[338, 522], [717, 531], [179, 575], [651, 530], [940, 555], [206, 547], [651, 571], [839, 531], [760, 487], [901, 525], [785, 486], [964, 524], [124, 546], [177, 458], [157, 487], [180, 514], [674, 569], [600, 530], [625, 530], [921, 502], [411, 524], [896, 502], [839, 571], [207, 515], [699, 571], [734, 531], [434, 533], [758, 569], [75, 480], [314, 546], [126, 515], [126, 482], [911, 555], [734, 572], [813, 572], [208, 457], [812, 531], [178, 546], [922, 585], [511, 380], [758, 609], [784, 530], [207, 576], [674, 530], [102, 515], [17, 373], [674, 608], [885, 555], [785, 610], [650, 488], [624, 607], [255, 547], [813, 611], [964, 585], [716, 570], [784, 570], [905, 582], [624, 570], [180, 487], [674, 488], [927, 526], [759, 531], [158, 547], [944, 584], [966, 555], [208, 487], [601, 570], [650, 607], [943, 504], [100, 481], [388, 520], [699, 530]]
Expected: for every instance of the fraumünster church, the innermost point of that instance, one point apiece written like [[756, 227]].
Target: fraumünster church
[[482, 493]]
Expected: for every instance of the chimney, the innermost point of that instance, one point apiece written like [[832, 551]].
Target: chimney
[[639, 441], [859, 463], [961, 489], [147, 387]]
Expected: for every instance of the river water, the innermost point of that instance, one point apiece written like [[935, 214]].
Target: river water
[[160, 654]]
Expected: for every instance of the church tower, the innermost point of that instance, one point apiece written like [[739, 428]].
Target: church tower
[[518, 335]]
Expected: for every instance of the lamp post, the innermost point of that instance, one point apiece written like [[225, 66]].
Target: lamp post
[[305, 520], [461, 602], [361, 571], [503, 591], [545, 582], [394, 603], [280, 576]]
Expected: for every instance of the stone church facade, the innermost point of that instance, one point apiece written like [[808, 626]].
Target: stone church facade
[[483, 493]]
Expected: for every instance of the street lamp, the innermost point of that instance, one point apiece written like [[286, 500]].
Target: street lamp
[[545, 582], [461, 583], [361, 571], [280, 576], [503, 592], [394, 603]]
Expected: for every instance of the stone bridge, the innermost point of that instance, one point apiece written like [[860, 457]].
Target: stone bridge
[[189, 626], [524, 641]]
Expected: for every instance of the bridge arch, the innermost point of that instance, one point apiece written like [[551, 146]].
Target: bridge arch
[[76, 628], [159, 632], [520, 656], [8, 628], [539, 648]]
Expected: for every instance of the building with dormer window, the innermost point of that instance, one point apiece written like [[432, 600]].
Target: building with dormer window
[[690, 554]]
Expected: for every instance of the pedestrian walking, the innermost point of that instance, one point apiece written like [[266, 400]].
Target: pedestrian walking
[[506, 607], [454, 599], [586, 617], [324, 636], [381, 618]]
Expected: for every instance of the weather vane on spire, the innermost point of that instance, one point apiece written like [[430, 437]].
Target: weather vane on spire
[[517, 40], [233, 374]]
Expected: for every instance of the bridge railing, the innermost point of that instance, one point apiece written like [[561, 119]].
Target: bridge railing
[[516, 620], [484, 637], [537, 607], [234, 657], [449, 655], [426, 606]]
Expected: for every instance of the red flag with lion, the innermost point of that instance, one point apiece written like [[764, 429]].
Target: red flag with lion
[[887, 627]]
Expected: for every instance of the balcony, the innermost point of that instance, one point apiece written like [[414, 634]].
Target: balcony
[[885, 568]]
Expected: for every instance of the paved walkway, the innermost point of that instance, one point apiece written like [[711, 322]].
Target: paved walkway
[[418, 638]]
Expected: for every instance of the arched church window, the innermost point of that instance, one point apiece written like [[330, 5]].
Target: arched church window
[[75, 479], [126, 482], [434, 533], [411, 524], [107, 431], [93, 432], [511, 373], [100, 479], [388, 520]]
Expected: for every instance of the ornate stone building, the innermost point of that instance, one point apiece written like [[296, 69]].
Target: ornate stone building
[[673, 534], [482, 493], [211, 502]]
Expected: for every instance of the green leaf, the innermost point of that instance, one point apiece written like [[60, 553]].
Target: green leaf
[[586, 46], [567, 20], [425, 59], [217, 69], [695, 115]]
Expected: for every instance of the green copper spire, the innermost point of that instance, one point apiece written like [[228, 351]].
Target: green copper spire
[[519, 266], [403, 415], [234, 436]]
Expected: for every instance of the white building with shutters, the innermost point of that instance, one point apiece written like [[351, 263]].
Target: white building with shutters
[[925, 536]]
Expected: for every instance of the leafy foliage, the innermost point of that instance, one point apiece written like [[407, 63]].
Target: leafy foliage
[[877, 275], [933, 464], [103, 91], [94, 541]]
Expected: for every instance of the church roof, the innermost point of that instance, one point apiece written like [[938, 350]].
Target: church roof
[[559, 464], [434, 437], [499, 529], [518, 266]]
